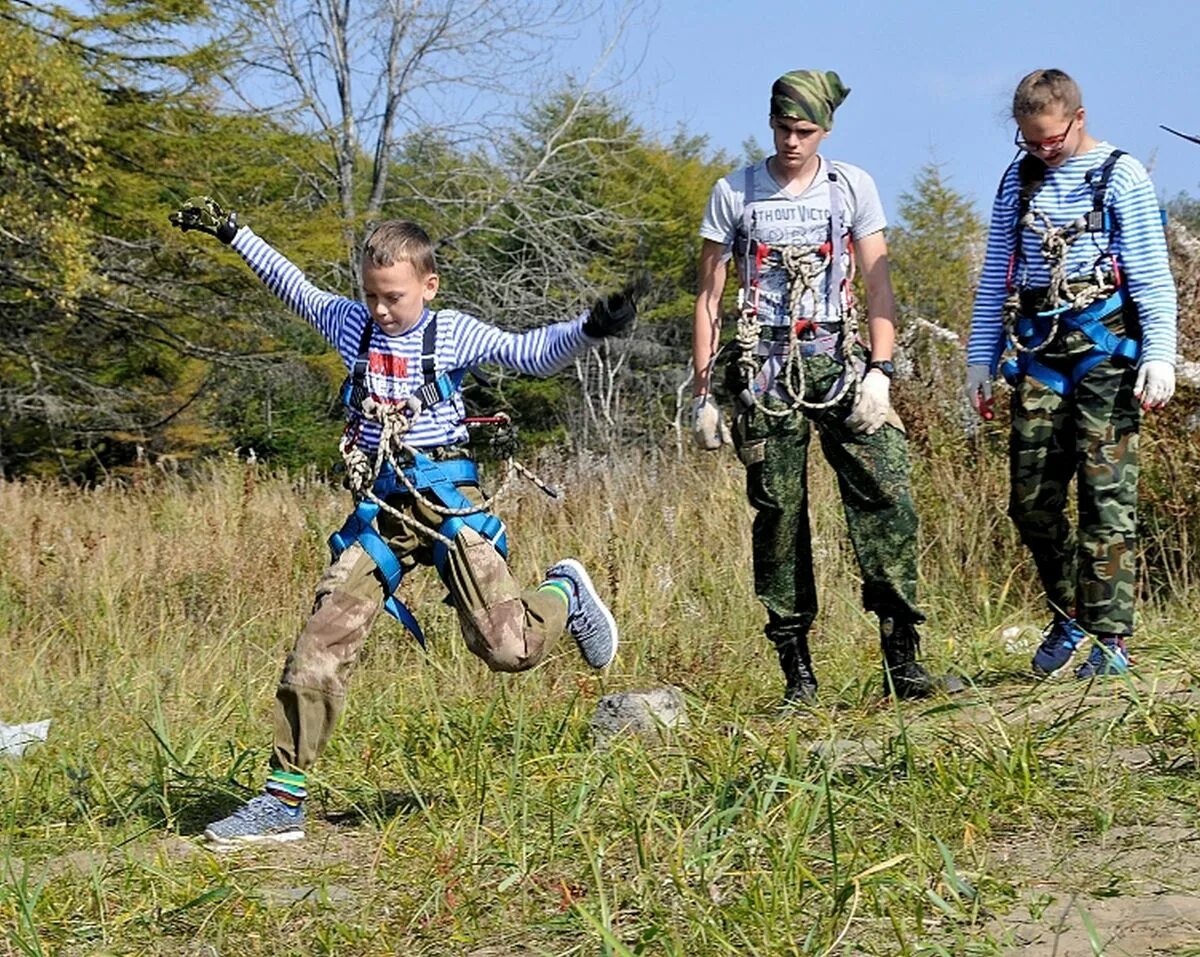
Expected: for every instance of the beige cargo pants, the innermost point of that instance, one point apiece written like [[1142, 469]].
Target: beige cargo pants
[[509, 629]]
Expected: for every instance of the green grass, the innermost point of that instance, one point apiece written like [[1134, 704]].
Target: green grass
[[460, 812]]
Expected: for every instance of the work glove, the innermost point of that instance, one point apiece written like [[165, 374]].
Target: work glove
[[1155, 383], [205, 214], [979, 390], [613, 315], [708, 425], [872, 404]]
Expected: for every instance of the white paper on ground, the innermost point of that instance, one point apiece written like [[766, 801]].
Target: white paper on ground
[[15, 738]]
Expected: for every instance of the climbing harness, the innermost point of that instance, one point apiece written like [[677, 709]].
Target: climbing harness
[[771, 356], [1080, 304], [432, 478]]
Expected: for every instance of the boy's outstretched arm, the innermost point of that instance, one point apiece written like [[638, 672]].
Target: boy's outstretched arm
[[324, 311], [548, 349]]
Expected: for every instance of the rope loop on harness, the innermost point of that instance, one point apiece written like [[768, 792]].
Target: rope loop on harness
[[363, 472], [804, 265], [1062, 294]]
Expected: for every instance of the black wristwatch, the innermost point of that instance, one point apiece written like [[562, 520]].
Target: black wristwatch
[[883, 365]]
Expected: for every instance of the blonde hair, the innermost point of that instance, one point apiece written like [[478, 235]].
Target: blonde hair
[[399, 241], [1043, 89]]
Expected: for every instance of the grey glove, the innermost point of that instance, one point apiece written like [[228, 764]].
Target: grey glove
[[205, 214], [978, 390]]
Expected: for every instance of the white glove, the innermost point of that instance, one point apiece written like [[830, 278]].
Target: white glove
[[979, 389], [708, 426], [1155, 383], [872, 405]]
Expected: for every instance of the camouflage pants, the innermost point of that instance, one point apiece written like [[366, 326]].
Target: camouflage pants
[[873, 479], [508, 629], [1090, 435]]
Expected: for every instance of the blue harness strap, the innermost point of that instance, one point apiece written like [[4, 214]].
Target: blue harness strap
[[440, 479], [360, 528], [1106, 345]]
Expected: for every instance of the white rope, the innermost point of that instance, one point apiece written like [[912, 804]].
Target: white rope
[[1062, 294], [395, 421], [804, 266]]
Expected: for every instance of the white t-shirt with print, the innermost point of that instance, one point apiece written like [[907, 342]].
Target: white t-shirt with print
[[781, 218]]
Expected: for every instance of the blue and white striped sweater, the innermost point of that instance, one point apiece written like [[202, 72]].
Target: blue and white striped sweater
[[394, 372], [1137, 242]]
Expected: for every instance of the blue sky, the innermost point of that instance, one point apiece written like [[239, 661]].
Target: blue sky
[[930, 81]]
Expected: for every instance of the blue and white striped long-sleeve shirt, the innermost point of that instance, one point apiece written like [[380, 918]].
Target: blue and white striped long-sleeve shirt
[[1137, 243], [394, 362]]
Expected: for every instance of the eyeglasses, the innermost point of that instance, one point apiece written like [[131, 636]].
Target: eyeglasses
[[1051, 145]]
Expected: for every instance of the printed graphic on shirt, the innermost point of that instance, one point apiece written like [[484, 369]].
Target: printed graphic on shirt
[[385, 364]]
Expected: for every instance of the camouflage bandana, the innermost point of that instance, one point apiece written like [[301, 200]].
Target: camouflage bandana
[[808, 95]]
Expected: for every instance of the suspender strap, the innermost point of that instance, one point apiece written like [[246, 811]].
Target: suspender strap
[[354, 389], [429, 349], [836, 241], [1031, 174], [1098, 218], [833, 296], [748, 225], [436, 388]]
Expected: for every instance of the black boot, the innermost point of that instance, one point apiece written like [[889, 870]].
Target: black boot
[[796, 664], [902, 673]]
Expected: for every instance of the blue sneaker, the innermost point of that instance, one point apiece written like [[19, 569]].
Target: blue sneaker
[[261, 819], [1059, 641], [1108, 657], [589, 621]]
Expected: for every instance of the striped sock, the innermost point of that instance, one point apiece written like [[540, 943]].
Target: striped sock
[[287, 786], [558, 587]]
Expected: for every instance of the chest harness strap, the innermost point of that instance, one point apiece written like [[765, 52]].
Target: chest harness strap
[[426, 477], [774, 362], [1073, 306]]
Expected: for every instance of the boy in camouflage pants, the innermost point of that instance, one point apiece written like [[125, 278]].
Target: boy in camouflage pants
[[1076, 277], [407, 358], [789, 223]]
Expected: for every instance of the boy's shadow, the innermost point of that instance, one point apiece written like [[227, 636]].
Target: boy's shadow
[[377, 807], [215, 801]]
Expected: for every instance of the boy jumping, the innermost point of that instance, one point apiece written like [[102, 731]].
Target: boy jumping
[[401, 354]]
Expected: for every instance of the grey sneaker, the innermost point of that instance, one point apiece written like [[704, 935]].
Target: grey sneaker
[[261, 819], [589, 621]]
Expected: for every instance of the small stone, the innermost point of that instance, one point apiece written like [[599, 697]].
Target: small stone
[[1019, 639], [649, 715]]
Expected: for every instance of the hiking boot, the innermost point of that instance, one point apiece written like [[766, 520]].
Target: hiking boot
[[1108, 657], [589, 621], [902, 673], [1059, 641], [264, 819], [796, 664]]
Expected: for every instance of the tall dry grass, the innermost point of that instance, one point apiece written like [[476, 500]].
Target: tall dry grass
[[466, 813]]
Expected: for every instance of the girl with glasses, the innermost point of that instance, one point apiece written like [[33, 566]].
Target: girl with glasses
[[1077, 284]]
